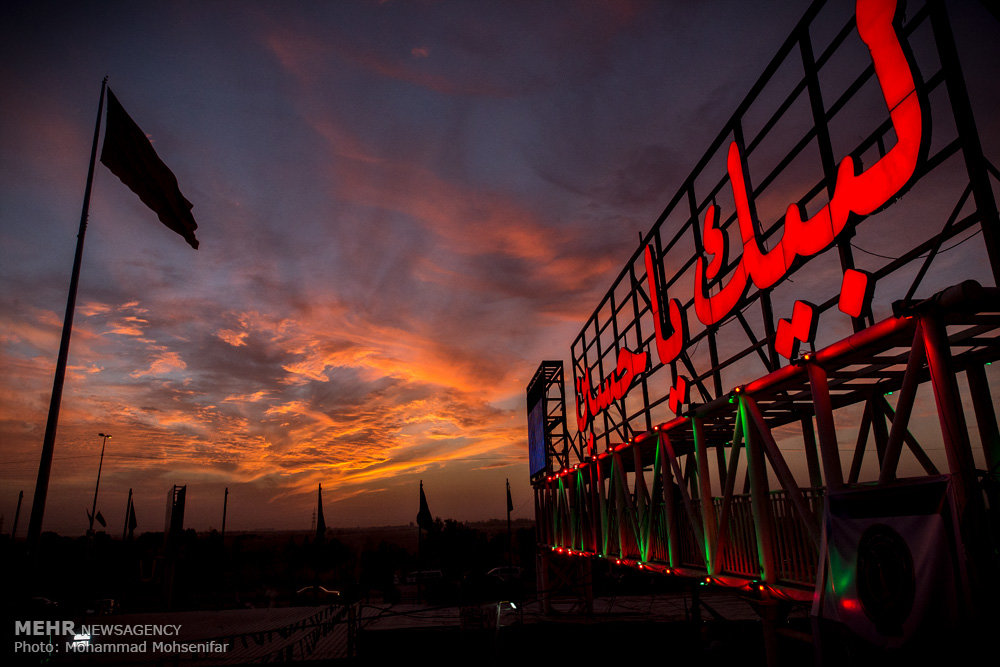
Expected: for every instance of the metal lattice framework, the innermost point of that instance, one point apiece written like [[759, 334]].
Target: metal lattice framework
[[548, 388], [670, 499], [736, 488], [798, 119]]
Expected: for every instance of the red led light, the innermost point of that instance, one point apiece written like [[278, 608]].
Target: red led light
[[855, 292]]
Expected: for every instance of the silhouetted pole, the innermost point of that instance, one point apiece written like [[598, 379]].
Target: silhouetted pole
[[128, 508], [93, 508], [225, 504], [48, 444], [425, 521], [17, 513], [510, 542]]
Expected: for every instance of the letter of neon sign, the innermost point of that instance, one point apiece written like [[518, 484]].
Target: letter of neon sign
[[614, 387], [582, 390], [668, 348], [860, 194]]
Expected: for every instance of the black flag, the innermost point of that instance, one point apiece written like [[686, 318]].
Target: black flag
[[424, 518], [320, 521], [132, 523], [510, 503], [100, 519], [129, 155]]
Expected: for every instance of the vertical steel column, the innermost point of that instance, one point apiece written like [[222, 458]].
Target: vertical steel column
[[667, 484], [827, 431], [812, 456], [539, 520], [904, 406], [759, 500], [621, 489], [689, 510], [642, 509], [575, 515], [559, 513], [595, 506], [725, 530], [708, 518], [879, 430], [861, 444], [949, 405], [972, 148], [720, 457], [969, 498], [986, 418], [604, 515], [781, 470]]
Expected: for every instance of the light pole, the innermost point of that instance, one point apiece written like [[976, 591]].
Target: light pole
[[93, 508]]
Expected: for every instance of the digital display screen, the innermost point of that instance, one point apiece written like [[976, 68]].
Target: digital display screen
[[536, 438]]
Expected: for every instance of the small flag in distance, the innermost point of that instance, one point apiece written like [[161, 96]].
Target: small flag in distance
[[320, 521], [424, 518], [129, 155]]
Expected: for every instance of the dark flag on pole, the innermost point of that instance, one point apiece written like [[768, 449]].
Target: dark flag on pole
[[510, 503], [132, 523], [424, 518], [100, 519], [129, 155], [320, 521]]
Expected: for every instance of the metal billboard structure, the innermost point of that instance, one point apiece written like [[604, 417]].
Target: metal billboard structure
[[715, 389]]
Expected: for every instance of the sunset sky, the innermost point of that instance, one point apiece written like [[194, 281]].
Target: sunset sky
[[403, 208]]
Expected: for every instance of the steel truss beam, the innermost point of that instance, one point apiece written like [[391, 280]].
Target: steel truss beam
[[654, 501]]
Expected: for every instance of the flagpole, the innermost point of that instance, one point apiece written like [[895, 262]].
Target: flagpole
[[225, 506], [510, 557], [93, 509], [45, 464], [128, 506], [17, 515]]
